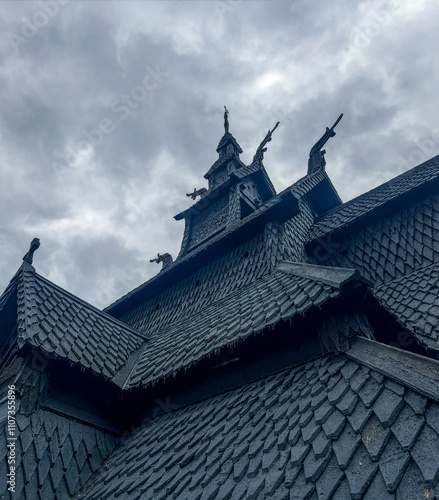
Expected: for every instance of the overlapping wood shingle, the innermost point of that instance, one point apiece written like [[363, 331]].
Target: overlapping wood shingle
[[329, 429], [292, 289], [414, 300], [55, 456], [362, 425], [63, 325]]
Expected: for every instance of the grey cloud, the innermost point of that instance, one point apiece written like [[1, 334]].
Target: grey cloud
[[102, 216]]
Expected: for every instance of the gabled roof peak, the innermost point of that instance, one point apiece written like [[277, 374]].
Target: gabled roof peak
[[64, 326], [227, 139], [228, 149]]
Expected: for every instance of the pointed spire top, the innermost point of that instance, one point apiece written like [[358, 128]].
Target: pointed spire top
[[34, 245], [226, 120], [228, 150]]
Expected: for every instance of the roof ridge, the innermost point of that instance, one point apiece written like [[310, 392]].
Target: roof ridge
[[24, 304], [123, 375], [382, 186], [393, 180], [9, 288]]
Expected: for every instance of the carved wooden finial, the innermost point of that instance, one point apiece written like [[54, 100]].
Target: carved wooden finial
[[259, 155], [226, 120], [197, 192], [316, 159], [166, 258], [34, 245]]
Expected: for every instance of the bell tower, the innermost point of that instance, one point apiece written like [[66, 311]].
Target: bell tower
[[235, 191]]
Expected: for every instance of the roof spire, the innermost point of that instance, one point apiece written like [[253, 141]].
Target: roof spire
[[34, 245], [226, 120]]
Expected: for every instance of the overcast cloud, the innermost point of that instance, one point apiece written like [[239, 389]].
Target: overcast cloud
[[112, 111]]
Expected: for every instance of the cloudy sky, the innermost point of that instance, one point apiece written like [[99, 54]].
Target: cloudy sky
[[111, 111]]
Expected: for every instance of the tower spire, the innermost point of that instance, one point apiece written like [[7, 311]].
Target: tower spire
[[226, 120]]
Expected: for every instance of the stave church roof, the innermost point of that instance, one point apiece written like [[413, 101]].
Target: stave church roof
[[289, 351]]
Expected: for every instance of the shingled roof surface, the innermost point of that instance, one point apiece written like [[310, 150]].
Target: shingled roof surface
[[53, 459], [361, 425], [414, 301], [288, 291], [329, 429], [189, 296], [224, 273], [64, 325], [153, 308], [378, 197]]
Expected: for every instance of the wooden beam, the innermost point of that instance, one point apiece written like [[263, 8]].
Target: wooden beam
[[412, 370]]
